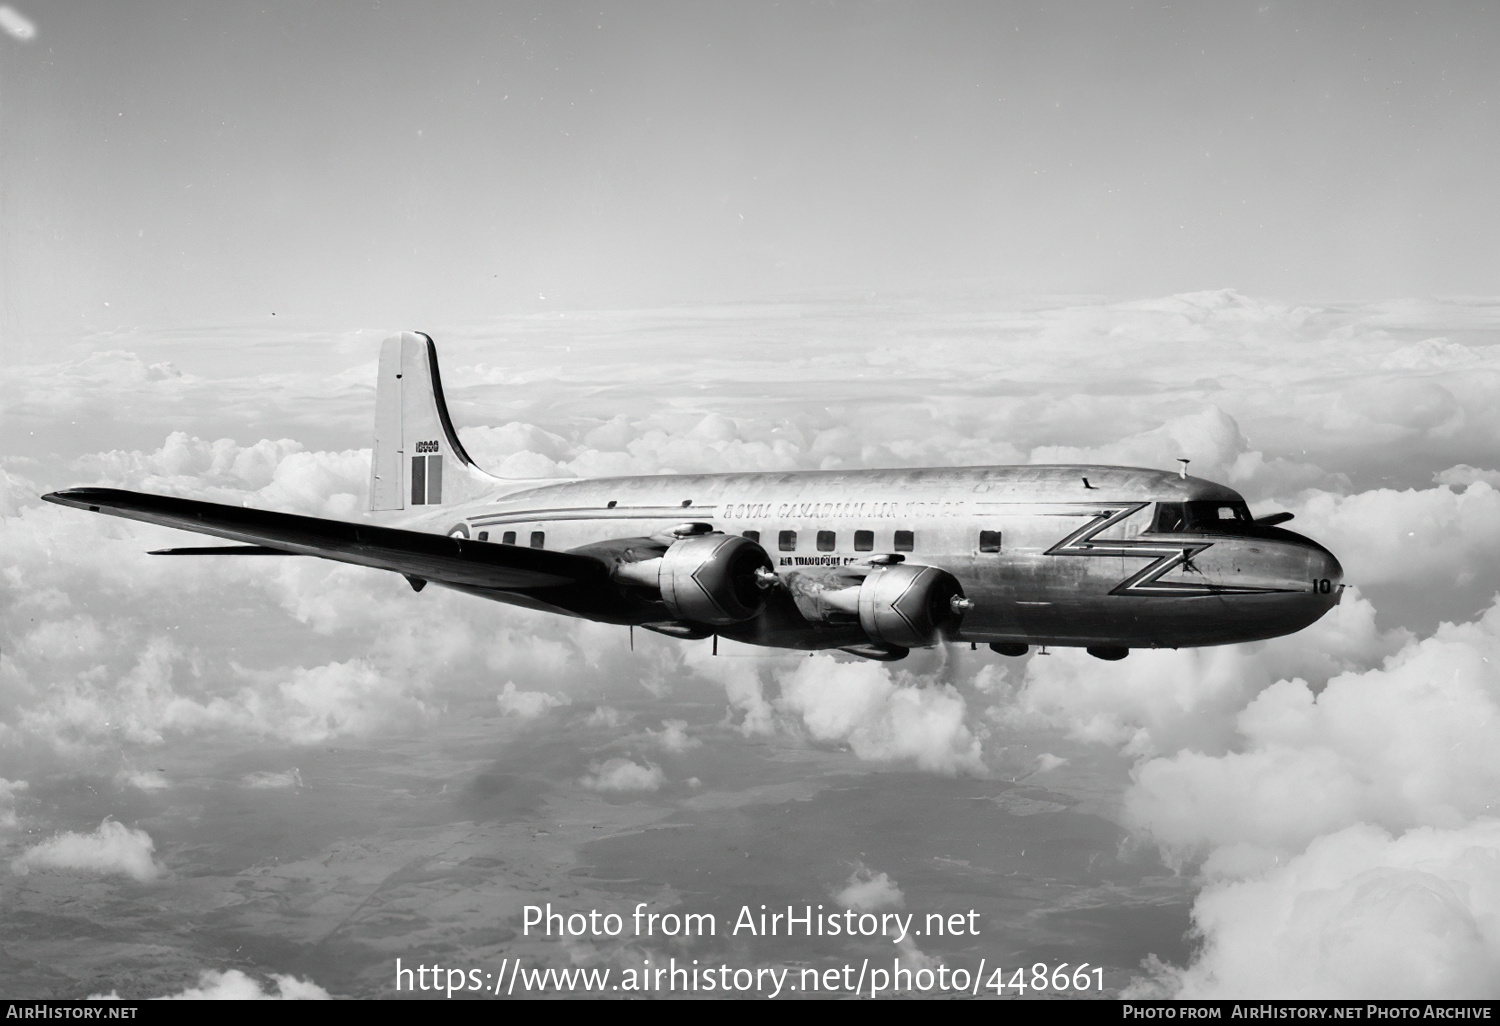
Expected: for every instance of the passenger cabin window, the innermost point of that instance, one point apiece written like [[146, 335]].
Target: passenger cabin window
[[484, 536], [538, 539], [826, 541], [786, 541], [753, 535], [509, 537], [905, 541], [989, 541], [864, 541]]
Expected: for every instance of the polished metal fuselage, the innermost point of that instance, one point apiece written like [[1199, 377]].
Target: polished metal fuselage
[[1077, 563]]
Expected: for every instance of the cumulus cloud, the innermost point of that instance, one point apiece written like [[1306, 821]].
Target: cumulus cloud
[[324, 701], [1210, 438], [492, 445], [526, 705], [270, 474], [673, 737], [1431, 354], [859, 704], [1403, 745], [1155, 700], [605, 716], [1344, 830], [96, 650], [868, 891], [97, 655], [624, 775], [1422, 539], [158, 691], [1359, 914], [111, 850], [153, 699], [1047, 762], [1162, 701], [1462, 475], [1212, 442], [1399, 408], [745, 692], [882, 716], [234, 985], [222, 463]]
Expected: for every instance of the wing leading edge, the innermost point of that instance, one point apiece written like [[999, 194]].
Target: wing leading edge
[[430, 557]]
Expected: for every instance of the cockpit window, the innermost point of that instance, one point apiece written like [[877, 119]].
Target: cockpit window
[[1169, 517], [1210, 516], [1222, 516]]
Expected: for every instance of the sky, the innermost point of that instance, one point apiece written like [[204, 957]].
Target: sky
[[688, 238], [380, 165]]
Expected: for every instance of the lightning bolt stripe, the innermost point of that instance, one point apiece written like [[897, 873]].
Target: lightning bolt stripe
[[1168, 557]]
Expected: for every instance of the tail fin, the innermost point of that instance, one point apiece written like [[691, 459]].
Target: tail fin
[[418, 459]]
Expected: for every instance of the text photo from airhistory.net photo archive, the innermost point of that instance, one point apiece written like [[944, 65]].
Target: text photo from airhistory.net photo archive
[[771, 501]]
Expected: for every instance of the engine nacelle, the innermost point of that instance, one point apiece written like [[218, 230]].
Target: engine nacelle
[[897, 606], [910, 606], [716, 579]]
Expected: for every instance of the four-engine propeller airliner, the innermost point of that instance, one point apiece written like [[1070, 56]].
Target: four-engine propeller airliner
[[873, 562]]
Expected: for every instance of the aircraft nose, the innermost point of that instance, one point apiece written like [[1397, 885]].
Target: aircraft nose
[[1326, 572]]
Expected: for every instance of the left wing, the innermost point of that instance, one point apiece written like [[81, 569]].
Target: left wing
[[428, 557]]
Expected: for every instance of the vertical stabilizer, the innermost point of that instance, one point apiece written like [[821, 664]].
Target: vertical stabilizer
[[418, 460]]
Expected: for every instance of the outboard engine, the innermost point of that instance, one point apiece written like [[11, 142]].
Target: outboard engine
[[715, 579]]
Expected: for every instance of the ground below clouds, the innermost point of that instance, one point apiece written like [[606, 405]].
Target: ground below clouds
[[427, 848]]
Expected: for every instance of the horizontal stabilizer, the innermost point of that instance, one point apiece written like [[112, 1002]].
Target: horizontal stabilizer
[[431, 557]]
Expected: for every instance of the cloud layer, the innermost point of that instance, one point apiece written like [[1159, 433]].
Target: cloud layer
[[1348, 831], [1359, 743], [1360, 914]]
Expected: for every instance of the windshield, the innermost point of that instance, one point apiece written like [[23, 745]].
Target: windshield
[[1220, 515]]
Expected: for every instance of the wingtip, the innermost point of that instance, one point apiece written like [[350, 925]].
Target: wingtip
[[82, 498]]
